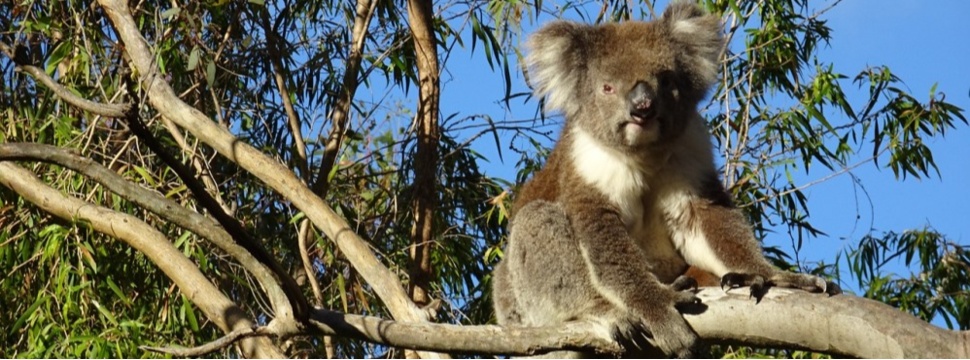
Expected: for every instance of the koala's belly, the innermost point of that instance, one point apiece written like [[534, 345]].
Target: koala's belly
[[652, 236]]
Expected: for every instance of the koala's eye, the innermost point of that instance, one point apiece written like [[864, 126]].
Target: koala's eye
[[666, 82], [608, 89]]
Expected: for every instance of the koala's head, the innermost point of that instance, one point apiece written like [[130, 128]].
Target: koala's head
[[629, 84]]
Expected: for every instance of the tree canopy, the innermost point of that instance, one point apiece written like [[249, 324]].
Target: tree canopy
[[175, 172]]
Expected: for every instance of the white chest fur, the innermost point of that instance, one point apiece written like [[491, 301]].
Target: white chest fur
[[616, 175], [626, 183]]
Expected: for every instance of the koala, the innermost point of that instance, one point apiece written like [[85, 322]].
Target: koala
[[629, 197]]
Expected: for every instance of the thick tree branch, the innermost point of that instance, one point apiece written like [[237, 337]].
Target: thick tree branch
[[275, 175], [424, 195], [842, 325], [147, 240], [485, 339]]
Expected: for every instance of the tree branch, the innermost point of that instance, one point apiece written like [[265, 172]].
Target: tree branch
[[277, 68], [341, 109], [147, 240], [484, 339], [275, 175], [424, 195], [109, 110], [161, 206], [841, 325], [421, 18], [209, 347]]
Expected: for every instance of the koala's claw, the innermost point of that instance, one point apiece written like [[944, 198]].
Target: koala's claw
[[667, 335], [673, 336], [759, 284], [832, 288], [683, 283], [735, 280]]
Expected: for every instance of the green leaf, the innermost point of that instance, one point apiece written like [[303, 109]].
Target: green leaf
[[60, 52], [193, 58], [189, 312], [27, 314], [171, 13], [117, 291], [210, 73], [145, 176], [104, 312]]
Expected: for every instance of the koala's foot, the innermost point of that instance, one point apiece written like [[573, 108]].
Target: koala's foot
[[759, 284], [671, 333], [660, 326]]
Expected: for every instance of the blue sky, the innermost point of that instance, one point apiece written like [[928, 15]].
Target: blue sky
[[923, 42]]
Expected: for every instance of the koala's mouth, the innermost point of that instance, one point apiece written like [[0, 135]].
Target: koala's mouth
[[641, 118]]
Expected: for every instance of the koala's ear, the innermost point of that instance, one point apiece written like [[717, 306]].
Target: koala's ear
[[699, 34], [557, 59]]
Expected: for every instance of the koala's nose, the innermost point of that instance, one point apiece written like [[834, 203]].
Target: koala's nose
[[641, 100]]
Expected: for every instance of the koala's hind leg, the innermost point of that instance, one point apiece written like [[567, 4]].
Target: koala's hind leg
[[543, 280], [544, 268], [503, 298]]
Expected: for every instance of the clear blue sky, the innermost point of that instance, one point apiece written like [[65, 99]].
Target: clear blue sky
[[923, 42]]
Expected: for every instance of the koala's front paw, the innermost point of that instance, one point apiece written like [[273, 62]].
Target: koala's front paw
[[759, 284]]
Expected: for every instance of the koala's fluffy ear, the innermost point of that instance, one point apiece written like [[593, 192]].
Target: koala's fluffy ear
[[699, 35], [557, 60]]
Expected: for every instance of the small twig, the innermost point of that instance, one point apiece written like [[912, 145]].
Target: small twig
[[341, 108], [109, 110], [209, 347]]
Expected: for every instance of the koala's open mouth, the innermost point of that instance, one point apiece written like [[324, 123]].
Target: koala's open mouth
[[641, 117]]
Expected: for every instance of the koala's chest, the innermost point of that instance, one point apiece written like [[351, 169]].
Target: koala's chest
[[650, 232]]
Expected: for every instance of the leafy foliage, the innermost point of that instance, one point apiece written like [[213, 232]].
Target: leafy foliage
[[73, 292]]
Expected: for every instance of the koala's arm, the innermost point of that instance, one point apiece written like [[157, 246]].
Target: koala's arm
[[714, 235], [621, 274]]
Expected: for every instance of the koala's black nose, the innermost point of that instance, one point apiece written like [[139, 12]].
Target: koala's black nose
[[641, 101]]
